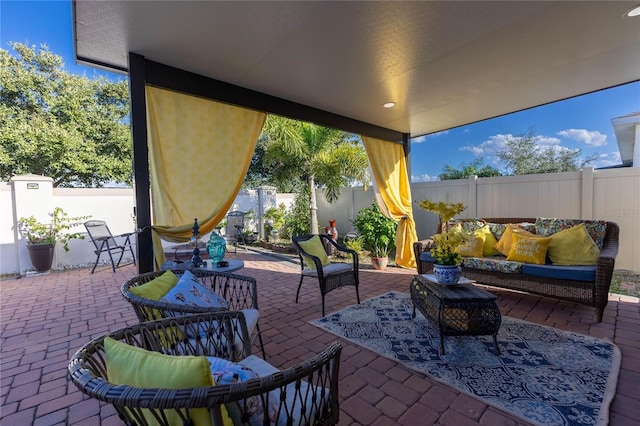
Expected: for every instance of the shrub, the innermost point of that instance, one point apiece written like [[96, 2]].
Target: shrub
[[378, 232]]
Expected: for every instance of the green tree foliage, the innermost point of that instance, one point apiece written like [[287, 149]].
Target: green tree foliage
[[474, 168], [296, 220], [67, 127], [302, 154], [523, 156]]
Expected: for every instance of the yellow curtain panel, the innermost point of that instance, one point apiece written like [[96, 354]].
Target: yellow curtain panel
[[199, 153], [390, 174]]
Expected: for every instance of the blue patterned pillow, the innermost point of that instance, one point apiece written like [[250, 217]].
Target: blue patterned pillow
[[549, 226], [190, 291], [246, 411]]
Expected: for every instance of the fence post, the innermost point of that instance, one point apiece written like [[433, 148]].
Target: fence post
[[472, 201], [586, 208]]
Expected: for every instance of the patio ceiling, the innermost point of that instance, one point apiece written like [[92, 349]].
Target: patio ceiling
[[445, 64]]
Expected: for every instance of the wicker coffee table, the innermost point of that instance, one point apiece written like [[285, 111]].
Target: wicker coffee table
[[457, 310]]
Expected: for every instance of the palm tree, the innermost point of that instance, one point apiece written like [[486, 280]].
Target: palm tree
[[304, 153]]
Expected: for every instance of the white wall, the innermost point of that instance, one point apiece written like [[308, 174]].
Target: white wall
[[19, 198]]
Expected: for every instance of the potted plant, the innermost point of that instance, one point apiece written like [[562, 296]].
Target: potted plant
[[377, 233], [41, 237], [447, 258], [445, 211]]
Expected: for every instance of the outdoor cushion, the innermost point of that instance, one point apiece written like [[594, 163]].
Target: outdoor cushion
[[314, 247], [493, 264], [330, 269], [263, 368], [504, 245], [574, 273], [474, 247], [573, 246], [157, 287], [190, 291], [549, 226], [137, 367], [528, 249], [490, 241], [225, 372]]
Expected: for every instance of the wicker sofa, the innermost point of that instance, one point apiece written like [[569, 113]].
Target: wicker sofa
[[585, 285]]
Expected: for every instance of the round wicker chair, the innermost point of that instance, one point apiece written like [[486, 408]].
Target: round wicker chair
[[239, 291], [306, 394]]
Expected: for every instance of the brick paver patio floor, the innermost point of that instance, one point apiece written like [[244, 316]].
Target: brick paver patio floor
[[45, 319]]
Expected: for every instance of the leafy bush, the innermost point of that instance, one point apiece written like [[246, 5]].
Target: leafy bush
[[274, 220], [296, 221], [378, 232]]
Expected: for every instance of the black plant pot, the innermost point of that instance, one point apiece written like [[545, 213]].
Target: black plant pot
[[41, 256]]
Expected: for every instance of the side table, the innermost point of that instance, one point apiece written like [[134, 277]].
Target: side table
[[456, 310]]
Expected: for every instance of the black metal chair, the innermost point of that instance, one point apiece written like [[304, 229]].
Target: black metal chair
[[105, 242], [234, 232], [332, 276]]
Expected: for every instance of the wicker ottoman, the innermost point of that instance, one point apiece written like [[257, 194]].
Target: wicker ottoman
[[458, 310]]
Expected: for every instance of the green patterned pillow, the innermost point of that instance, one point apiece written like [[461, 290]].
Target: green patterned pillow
[[549, 226]]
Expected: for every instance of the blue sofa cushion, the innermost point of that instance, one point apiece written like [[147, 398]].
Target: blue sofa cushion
[[426, 256], [574, 273]]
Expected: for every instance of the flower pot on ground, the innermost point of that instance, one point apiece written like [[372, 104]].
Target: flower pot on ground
[[379, 263], [41, 238], [377, 232], [41, 256]]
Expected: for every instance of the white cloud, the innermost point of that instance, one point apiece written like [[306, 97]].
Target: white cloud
[[606, 160], [497, 142], [592, 138], [419, 139], [494, 144], [423, 178]]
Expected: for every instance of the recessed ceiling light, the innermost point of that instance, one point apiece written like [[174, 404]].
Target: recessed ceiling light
[[389, 104], [634, 12]]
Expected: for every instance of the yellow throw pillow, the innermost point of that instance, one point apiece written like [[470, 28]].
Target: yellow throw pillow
[[504, 245], [314, 247], [528, 249], [573, 246], [490, 241], [137, 367], [474, 247], [157, 287]]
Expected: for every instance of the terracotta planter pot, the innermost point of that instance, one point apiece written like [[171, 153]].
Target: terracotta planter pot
[[379, 263], [41, 256]]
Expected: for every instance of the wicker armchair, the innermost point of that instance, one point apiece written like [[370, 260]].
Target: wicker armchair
[[239, 291], [332, 276], [306, 394]]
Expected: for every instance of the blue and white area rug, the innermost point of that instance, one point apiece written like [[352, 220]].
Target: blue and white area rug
[[544, 376]]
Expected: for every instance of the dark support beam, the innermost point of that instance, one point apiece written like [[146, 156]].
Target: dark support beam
[[137, 77], [406, 145], [165, 76]]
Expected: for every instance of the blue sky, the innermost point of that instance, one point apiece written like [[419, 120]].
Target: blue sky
[[583, 122]]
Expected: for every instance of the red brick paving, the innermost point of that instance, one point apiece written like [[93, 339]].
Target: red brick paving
[[45, 319]]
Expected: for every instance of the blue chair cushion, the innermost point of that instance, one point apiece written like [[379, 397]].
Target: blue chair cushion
[[574, 273]]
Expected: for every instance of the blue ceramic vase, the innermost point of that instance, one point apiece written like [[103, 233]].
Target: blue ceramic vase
[[447, 274]]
